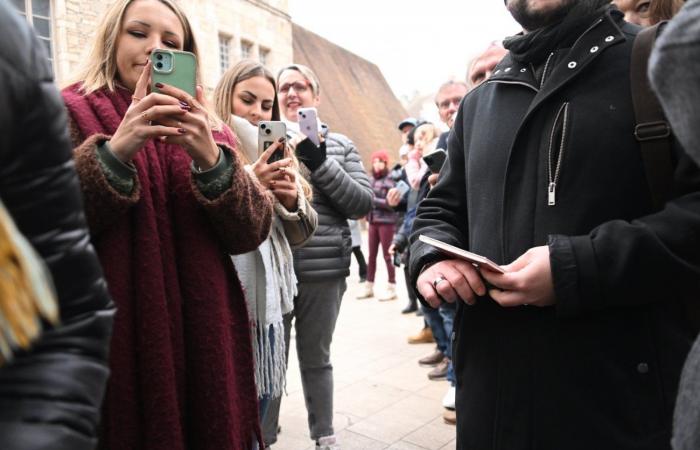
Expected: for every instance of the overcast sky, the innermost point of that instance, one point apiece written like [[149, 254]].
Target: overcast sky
[[417, 44]]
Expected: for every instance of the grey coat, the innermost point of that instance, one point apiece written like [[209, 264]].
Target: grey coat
[[674, 74], [341, 191]]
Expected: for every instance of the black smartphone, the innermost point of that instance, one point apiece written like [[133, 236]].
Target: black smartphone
[[397, 258], [435, 160]]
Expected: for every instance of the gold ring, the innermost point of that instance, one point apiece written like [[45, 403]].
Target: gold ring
[[135, 99], [145, 115]]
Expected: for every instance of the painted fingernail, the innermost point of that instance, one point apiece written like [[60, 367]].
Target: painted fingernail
[[280, 140], [185, 107], [181, 130], [159, 85]]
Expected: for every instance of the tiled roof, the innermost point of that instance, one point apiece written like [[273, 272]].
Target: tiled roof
[[356, 100]]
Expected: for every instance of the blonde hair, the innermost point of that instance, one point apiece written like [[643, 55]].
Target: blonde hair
[[100, 67], [223, 104], [426, 133], [307, 73]]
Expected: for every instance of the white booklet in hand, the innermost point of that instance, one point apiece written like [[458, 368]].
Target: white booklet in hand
[[478, 260]]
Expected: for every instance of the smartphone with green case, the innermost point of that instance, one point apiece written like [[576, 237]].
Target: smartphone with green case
[[175, 68]]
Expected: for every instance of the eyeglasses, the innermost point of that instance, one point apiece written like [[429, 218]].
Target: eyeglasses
[[450, 101], [298, 87]]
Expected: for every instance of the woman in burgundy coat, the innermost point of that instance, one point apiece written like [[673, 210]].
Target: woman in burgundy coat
[[167, 201]]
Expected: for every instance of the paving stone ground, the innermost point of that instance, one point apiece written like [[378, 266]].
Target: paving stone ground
[[383, 398]]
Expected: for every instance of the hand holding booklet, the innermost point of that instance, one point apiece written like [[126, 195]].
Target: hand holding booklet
[[478, 260]]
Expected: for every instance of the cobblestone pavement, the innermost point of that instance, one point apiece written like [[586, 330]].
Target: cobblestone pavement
[[383, 398]]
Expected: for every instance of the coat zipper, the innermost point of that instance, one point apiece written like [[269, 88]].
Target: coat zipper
[[546, 66], [554, 168]]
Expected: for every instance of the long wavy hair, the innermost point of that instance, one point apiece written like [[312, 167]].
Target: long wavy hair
[[100, 66], [223, 103], [664, 9]]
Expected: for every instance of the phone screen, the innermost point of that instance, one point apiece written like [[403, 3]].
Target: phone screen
[[277, 154]]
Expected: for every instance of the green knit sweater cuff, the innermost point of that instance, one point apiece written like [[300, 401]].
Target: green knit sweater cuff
[[120, 175], [217, 180]]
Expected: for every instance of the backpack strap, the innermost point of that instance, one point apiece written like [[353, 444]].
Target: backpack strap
[[652, 131]]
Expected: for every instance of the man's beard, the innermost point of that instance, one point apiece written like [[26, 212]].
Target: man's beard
[[534, 20]]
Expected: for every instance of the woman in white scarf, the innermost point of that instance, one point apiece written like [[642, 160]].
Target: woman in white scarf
[[245, 95]]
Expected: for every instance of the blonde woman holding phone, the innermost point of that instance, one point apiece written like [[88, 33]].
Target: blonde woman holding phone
[[167, 200], [246, 95]]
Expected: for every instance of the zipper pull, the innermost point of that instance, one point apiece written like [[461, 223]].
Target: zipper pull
[[552, 193]]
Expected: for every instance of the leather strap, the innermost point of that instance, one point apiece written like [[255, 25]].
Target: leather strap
[[652, 130]]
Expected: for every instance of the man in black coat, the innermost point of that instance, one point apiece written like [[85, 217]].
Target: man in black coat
[[580, 344], [50, 396]]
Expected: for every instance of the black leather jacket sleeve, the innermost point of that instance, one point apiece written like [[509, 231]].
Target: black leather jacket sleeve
[[50, 396]]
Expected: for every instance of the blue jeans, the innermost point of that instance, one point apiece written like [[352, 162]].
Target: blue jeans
[[441, 322], [447, 313]]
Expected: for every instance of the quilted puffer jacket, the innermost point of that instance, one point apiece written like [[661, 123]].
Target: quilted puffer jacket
[[50, 396], [341, 191]]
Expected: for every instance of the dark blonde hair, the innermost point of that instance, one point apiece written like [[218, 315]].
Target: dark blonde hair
[[243, 70], [100, 69], [660, 10]]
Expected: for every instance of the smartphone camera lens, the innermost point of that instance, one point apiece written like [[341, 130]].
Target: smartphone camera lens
[[159, 65], [268, 131], [159, 57], [263, 126]]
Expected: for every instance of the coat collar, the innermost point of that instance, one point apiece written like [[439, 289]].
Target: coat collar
[[601, 35]]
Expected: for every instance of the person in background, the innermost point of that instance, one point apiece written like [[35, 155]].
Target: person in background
[[382, 220], [245, 95], [341, 191], [168, 201], [356, 236], [481, 67], [55, 311], [673, 74], [648, 12], [425, 138], [587, 318]]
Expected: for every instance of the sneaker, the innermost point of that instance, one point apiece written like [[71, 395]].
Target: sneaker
[[439, 372], [433, 359], [448, 401], [390, 293], [424, 336], [328, 443], [449, 417], [367, 292]]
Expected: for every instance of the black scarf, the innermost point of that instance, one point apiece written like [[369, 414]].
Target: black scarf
[[535, 46]]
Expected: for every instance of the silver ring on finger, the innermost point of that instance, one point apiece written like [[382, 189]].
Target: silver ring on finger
[[438, 280]]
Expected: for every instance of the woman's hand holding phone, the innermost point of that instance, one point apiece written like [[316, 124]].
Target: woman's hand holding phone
[[142, 120], [279, 176], [173, 116]]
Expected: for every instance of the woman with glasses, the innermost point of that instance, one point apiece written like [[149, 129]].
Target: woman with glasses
[[341, 191]]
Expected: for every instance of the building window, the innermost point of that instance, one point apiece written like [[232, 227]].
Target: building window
[[246, 49], [264, 56], [224, 52], [38, 14]]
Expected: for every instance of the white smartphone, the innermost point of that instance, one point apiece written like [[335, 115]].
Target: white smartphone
[[477, 260], [403, 187], [308, 124], [270, 132]]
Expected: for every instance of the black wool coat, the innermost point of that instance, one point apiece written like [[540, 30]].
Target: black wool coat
[[599, 370]]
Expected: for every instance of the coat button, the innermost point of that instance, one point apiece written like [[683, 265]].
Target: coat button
[[497, 72], [594, 49], [643, 368], [572, 65], [609, 39], [523, 70], [507, 69]]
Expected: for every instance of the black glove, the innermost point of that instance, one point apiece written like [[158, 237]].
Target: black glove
[[310, 155]]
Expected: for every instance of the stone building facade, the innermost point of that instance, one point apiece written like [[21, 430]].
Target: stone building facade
[[227, 30]]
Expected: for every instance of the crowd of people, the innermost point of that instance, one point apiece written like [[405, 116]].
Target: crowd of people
[[154, 258]]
